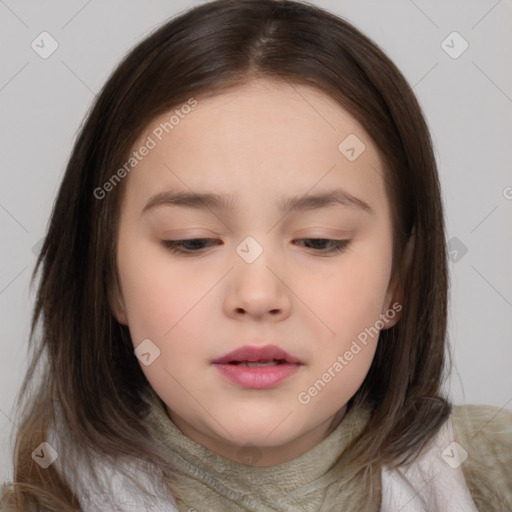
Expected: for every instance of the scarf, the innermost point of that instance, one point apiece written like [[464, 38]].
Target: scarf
[[308, 483], [316, 481]]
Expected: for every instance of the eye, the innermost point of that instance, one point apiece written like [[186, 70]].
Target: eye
[[180, 246], [336, 245], [195, 245]]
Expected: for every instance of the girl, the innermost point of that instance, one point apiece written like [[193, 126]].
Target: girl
[[244, 288]]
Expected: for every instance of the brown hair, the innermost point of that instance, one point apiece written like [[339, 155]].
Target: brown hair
[[86, 360]]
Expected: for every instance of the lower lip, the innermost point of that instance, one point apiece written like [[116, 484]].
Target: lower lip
[[257, 377]]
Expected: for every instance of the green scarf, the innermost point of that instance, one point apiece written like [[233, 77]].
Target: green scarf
[[312, 482]]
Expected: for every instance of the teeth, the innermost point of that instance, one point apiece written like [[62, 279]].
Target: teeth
[[259, 363]]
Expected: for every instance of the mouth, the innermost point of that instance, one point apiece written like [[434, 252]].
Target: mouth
[[273, 362], [257, 374], [257, 367], [251, 355]]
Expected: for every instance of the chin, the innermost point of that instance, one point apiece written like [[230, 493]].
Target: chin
[[258, 434]]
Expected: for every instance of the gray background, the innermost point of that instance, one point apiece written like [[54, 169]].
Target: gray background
[[467, 101]]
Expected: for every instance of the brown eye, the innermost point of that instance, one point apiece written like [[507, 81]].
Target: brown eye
[[193, 245], [196, 245], [336, 245]]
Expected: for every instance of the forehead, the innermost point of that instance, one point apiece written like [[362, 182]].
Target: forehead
[[281, 114], [263, 136]]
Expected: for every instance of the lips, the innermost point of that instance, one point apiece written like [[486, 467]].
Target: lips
[[254, 354], [257, 367]]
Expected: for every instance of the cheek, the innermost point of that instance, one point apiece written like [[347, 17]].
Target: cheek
[[351, 297], [351, 305], [163, 305], [159, 298]]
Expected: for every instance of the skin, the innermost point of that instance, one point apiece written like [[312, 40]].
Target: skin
[[260, 142]]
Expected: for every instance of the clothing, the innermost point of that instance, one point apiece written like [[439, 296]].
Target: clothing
[[303, 483], [432, 483], [438, 480]]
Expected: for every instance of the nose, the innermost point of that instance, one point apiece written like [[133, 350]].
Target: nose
[[258, 290]]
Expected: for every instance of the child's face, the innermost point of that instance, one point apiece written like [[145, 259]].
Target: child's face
[[261, 144]]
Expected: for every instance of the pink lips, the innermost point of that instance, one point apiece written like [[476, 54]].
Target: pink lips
[[257, 377]]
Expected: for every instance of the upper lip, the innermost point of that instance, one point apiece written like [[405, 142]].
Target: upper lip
[[253, 353]]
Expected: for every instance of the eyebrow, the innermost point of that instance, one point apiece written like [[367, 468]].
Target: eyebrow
[[226, 202]]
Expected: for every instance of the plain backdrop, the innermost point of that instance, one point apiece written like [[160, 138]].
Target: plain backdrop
[[466, 97]]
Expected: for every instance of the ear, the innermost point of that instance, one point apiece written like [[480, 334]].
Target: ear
[[116, 304], [395, 294]]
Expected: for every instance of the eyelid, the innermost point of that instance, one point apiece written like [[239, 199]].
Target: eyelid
[[175, 246]]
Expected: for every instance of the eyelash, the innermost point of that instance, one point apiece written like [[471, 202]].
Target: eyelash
[[176, 246]]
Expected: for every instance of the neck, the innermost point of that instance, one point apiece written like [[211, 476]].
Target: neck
[[261, 455]]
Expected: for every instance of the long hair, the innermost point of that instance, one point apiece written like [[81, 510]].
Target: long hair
[[82, 360]]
